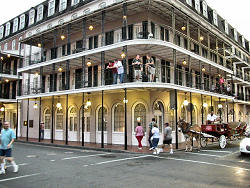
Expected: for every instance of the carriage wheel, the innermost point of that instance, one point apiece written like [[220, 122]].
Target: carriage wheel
[[203, 142], [222, 141]]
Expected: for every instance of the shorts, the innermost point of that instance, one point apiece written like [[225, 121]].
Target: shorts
[[5, 152], [167, 141], [138, 73], [151, 70]]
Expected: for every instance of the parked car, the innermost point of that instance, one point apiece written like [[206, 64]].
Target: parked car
[[245, 144]]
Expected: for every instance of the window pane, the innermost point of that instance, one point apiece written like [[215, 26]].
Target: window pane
[[119, 118], [100, 119], [140, 115]]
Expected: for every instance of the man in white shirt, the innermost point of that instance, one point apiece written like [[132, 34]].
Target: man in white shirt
[[211, 118], [120, 69]]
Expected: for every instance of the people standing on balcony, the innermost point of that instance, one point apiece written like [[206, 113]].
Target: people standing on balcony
[[150, 68], [139, 133], [114, 71], [221, 82], [120, 69], [137, 64], [228, 88]]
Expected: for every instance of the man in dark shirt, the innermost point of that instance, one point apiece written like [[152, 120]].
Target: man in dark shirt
[[137, 64], [150, 68], [114, 71]]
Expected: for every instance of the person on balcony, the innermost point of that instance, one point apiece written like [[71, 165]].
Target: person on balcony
[[221, 83], [137, 64], [120, 69], [111, 66], [150, 68]]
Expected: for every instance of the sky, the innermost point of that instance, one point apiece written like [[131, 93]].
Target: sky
[[235, 12]]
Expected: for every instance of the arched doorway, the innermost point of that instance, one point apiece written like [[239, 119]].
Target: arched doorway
[[47, 123], [73, 124], [118, 124], [87, 118], [138, 114], [158, 112], [59, 124], [99, 124]]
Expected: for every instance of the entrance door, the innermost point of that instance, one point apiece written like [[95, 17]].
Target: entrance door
[[86, 125], [73, 126], [158, 115], [99, 124]]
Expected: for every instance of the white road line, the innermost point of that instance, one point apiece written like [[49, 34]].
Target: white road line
[[31, 156], [85, 156], [51, 154], [206, 154], [22, 164], [202, 162], [68, 152], [215, 151], [25, 176], [117, 160], [231, 153]]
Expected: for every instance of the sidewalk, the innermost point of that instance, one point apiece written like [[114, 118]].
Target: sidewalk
[[97, 147]]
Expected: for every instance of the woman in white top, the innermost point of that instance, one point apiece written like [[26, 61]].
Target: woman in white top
[[156, 138]]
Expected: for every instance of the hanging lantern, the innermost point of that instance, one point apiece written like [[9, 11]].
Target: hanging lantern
[[91, 27], [35, 106], [123, 55], [219, 106], [201, 38], [60, 69], [62, 37], [184, 62], [205, 105], [185, 103], [88, 103], [183, 28], [2, 109], [39, 45], [203, 69], [36, 74], [89, 63], [8, 55]]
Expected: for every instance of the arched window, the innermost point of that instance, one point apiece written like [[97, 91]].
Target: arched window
[[73, 119], [118, 114], [87, 115], [140, 115], [105, 114], [47, 118], [158, 112], [59, 119]]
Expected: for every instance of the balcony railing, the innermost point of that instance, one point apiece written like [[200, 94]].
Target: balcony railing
[[8, 71], [163, 32], [164, 73]]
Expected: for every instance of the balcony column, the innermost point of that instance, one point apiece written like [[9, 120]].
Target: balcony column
[[83, 71], [233, 112], [67, 120], [42, 49], [68, 39], [191, 114], [124, 21], [124, 61], [227, 110], [217, 50], [201, 76], [30, 53], [244, 92], [83, 122], [188, 35], [209, 46], [41, 80], [1, 66], [190, 71], [173, 24], [27, 124], [17, 112], [175, 67], [210, 77], [102, 134], [224, 56], [199, 35], [103, 53], [52, 118], [20, 54], [40, 119], [53, 78], [67, 75], [84, 34], [243, 73], [176, 119], [202, 110], [125, 116], [28, 87]]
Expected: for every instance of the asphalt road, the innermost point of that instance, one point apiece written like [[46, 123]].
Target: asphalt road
[[45, 166]]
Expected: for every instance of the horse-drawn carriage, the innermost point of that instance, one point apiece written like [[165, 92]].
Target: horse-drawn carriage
[[222, 132], [217, 131]]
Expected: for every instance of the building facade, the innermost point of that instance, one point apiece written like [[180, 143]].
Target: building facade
[[60, 51]]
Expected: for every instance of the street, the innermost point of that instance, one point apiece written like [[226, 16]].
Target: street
[[54, 167]]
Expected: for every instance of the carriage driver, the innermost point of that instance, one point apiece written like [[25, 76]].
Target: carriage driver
[[211, 118]]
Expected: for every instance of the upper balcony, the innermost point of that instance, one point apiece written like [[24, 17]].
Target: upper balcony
[[9, 63], [78, 38]]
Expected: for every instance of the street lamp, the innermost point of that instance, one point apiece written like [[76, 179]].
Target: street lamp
[[125, 100], [2, 109], [185, 103]]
